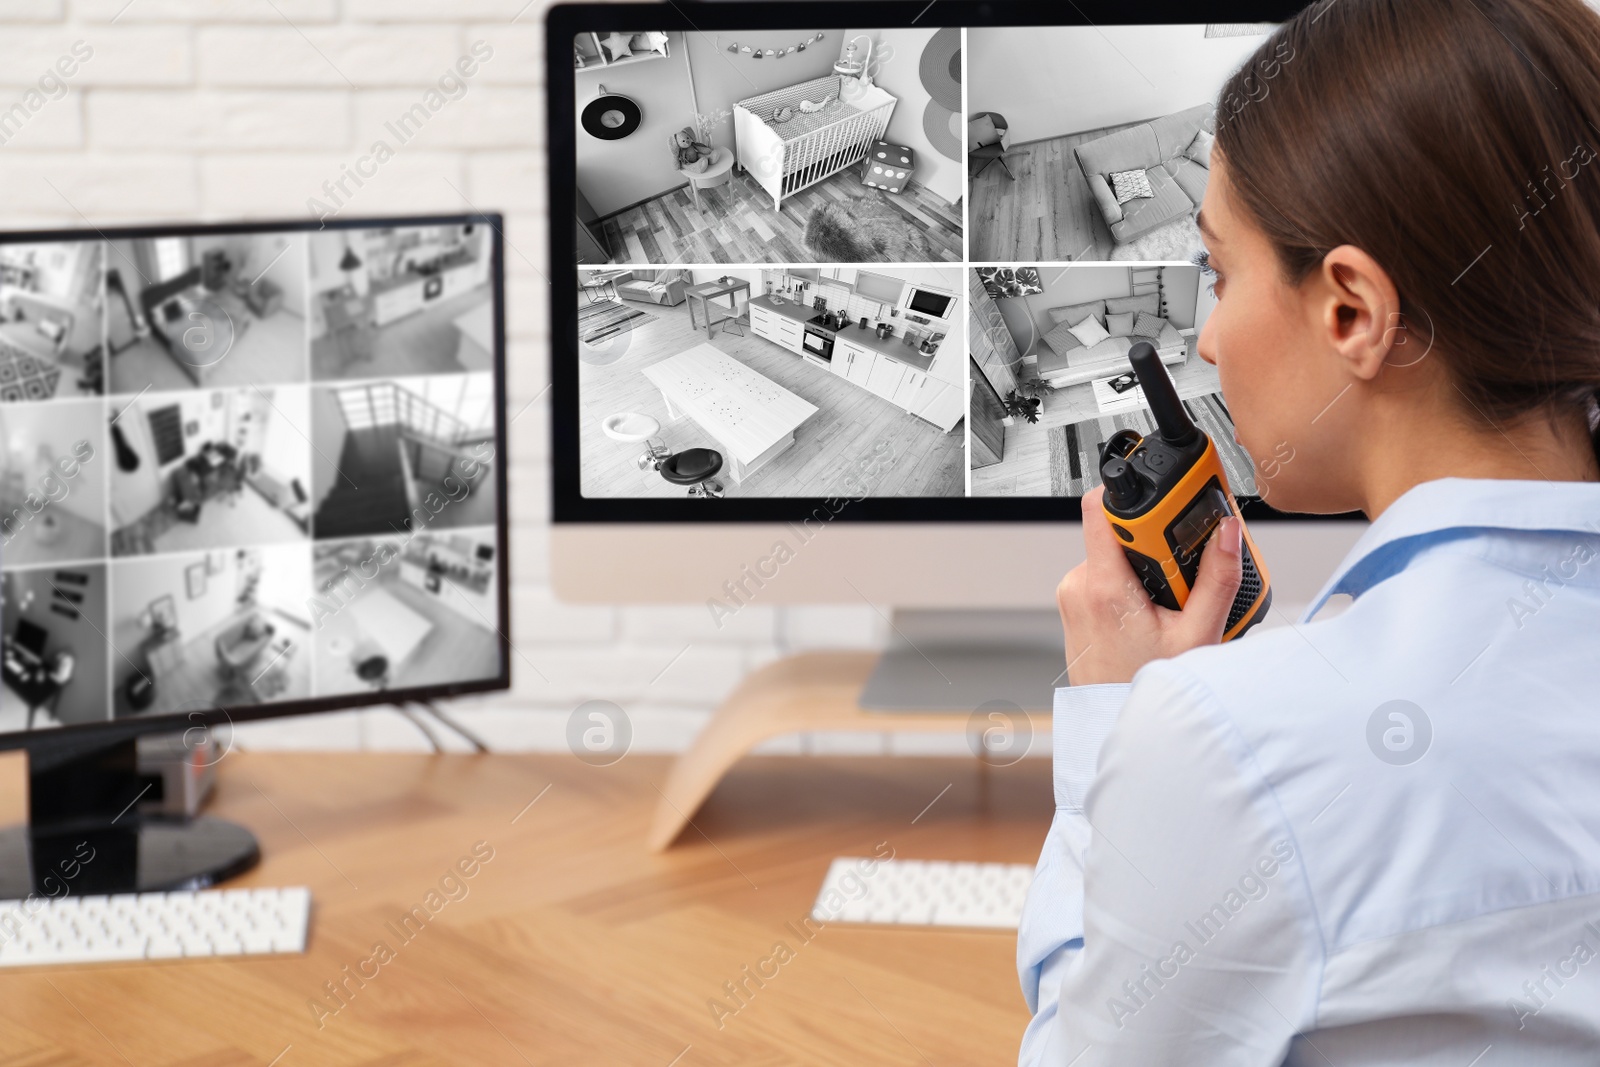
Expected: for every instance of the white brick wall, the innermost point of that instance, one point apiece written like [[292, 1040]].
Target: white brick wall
[[229, 109]]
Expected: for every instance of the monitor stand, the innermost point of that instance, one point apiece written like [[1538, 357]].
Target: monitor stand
[[986, 674], [84, 835], [961, 660]]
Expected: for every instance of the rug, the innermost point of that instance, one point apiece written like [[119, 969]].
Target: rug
[[1174, 242], [608, 318], [1075, 448], [24, 376], [866, 229]]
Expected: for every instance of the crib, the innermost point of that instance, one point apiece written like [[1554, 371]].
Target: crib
[[785, 157]]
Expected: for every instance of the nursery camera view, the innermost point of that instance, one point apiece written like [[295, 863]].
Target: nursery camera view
[[769, 146]]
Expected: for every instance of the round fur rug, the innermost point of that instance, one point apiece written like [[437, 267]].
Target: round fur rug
[[1176, 241], [866, 229]]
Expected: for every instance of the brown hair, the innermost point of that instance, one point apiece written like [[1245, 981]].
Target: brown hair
[[1455, 142]]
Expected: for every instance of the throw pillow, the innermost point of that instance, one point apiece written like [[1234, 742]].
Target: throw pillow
[[1062, 340], [1131, 185], [1148, 326], [1071, 313], [1119, 325], [1150, 302], [1199, 149], [981, 131], [1089, 331]]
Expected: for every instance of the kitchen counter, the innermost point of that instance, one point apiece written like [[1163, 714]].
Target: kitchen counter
[[788, 309], [893, 347], [400, 279]]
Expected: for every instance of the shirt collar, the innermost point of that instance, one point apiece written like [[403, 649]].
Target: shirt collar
[[1449, 508]]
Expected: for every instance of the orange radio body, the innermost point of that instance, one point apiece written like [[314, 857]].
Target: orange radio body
[[1167, 493]]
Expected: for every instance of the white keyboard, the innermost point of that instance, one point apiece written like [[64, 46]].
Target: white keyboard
[[923, 893], [153, 926]]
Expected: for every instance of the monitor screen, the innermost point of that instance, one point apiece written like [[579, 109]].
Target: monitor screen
[[250, 470], [884, 267]]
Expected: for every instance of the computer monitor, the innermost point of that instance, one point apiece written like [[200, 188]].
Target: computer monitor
[[810, 281], [31, 637], [246, 471]]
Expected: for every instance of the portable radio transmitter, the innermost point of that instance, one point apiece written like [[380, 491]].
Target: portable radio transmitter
[[1166, 494]]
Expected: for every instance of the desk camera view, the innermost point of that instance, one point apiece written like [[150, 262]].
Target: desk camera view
[[245, 468]]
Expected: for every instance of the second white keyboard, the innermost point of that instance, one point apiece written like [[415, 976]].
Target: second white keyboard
[[153, 926], [923, 893]]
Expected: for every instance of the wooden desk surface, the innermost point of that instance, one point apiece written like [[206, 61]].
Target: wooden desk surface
[[573, 944]]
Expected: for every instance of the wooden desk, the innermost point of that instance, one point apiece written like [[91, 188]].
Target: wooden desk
[[708, 292], [751, 417], [574, 944]]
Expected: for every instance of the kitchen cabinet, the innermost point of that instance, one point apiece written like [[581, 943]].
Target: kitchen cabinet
[[885, 375], [458, 280], [853, 362], [779, 329], [847, 275], [880, 287], [791, 335], [943, 408], [763, 323], [948, 362], [397, 303], [912, 391]]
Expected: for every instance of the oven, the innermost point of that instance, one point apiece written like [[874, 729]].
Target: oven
[[818, 343]]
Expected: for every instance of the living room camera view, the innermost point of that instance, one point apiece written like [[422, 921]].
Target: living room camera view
[[52, 299], [399, 612], [1102, 153], [769, 146], [276, 403], [1051, 379], [772, 382], [211, 629]]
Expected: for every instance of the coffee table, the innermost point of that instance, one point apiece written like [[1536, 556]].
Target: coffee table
[[600, 285], [751, 417], [1111, 402]]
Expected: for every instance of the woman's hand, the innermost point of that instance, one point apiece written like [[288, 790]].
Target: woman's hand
[[1113, 627]]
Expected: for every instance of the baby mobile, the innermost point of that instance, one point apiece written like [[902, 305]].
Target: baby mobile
[[757, 52]]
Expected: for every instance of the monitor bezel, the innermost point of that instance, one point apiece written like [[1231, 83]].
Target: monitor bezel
[[568, 505], [112, 731]]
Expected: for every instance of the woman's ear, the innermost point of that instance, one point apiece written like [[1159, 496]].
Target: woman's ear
[[1360, 310]]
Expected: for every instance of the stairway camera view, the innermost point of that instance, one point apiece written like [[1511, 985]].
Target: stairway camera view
[[240, 468]]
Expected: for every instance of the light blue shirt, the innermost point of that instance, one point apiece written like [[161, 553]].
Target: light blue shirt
[[1368, 839]]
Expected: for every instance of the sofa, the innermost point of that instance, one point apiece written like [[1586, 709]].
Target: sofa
[[667, 287], [1064, 361], [1158, 148], [242, 641]]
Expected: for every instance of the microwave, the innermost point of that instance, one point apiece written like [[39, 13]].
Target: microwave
[[933, 303]]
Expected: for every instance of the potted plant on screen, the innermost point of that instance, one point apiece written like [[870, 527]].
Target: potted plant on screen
[[1026, 407]]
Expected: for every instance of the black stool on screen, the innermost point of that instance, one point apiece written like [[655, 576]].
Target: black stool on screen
[[696, 468]]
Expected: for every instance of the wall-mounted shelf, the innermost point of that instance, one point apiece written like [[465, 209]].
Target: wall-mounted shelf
[[587, 45]]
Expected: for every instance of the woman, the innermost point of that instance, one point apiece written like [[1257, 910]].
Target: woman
[[1371, 838]]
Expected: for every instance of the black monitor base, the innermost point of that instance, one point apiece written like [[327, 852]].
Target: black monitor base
[[84, 834]]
